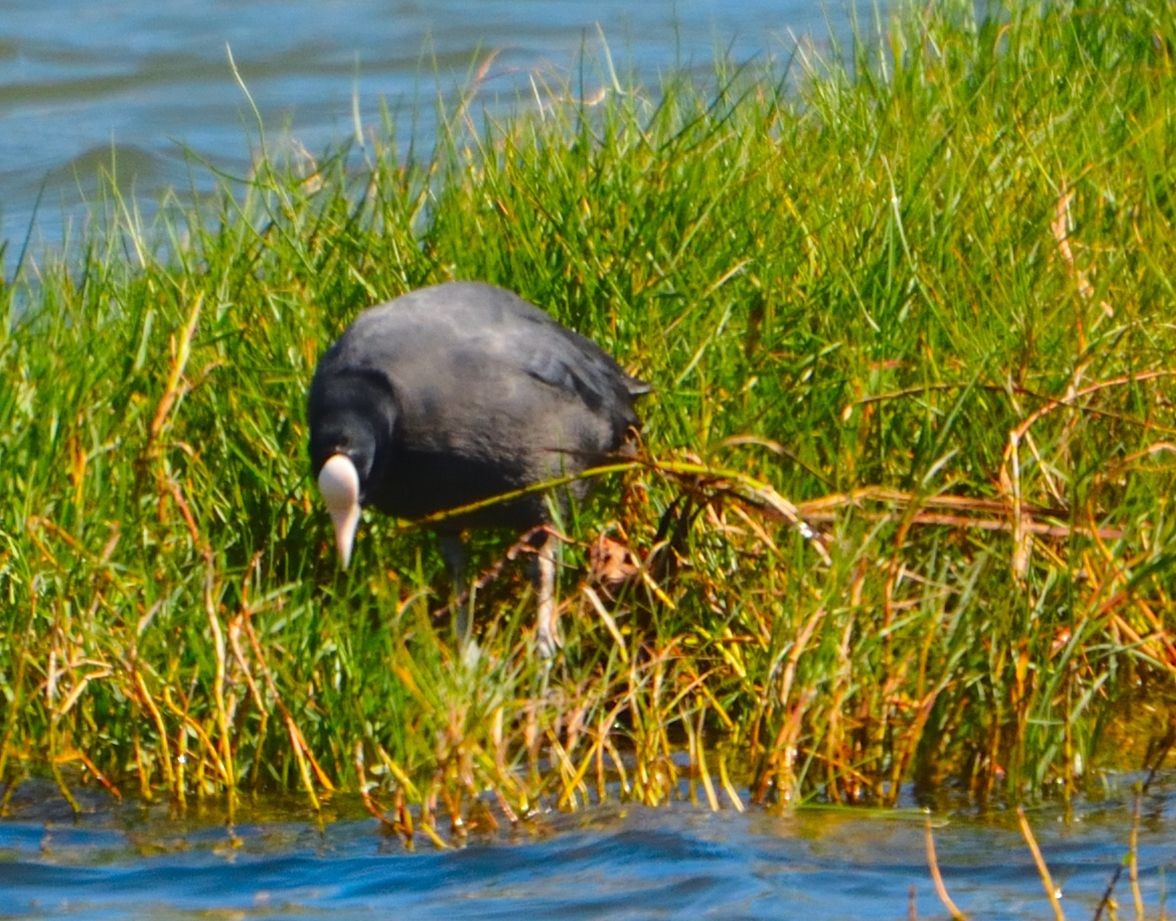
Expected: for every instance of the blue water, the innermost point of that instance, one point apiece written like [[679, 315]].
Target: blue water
[[149, 87], [610, 862]]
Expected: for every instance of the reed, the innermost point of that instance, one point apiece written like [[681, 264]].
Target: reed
[[902, 518]]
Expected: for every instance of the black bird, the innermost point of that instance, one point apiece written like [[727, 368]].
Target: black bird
[[457, 393]]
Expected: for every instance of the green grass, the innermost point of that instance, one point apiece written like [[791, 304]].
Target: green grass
[[924, 296]]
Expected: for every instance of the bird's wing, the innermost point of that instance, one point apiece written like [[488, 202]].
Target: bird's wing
[[555, 370], [466, 332]]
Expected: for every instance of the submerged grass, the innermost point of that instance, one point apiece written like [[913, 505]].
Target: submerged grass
[[903, 512]]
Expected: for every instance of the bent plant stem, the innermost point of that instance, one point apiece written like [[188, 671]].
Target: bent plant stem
[[1047, 883], [1159, 756], [937, 877]]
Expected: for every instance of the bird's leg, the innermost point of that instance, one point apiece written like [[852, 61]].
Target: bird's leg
[[547, 547], [457, 557]]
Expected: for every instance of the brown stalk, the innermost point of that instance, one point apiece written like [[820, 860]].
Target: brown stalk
[[937, 877], [1009, 475], [187, 722], [905, 754], [698, 756], [786, 738], [1051, 890], [374, 808], [181, 349], [69, 757], [307, 765], [951, 511], [728, 787], [225, 748], [1157, 757], [1133, 858], [140, 694]]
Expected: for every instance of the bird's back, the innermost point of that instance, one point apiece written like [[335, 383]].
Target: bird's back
[[490, 394]]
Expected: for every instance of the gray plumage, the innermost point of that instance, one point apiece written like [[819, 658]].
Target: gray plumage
[[460, 392]]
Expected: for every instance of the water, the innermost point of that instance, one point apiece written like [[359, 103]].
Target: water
[[611, 862], [149, 87]]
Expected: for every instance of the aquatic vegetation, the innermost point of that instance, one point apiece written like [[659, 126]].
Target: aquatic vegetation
[[902, 517]]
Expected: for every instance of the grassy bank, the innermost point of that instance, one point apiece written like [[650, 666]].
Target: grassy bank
[[922, 302]]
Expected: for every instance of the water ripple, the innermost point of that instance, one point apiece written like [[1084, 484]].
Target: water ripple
[[76, 78], [619, 862]]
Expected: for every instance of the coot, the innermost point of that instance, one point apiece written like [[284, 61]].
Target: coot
[[457, 393]]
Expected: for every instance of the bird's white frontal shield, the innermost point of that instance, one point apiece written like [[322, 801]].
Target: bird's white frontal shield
[[339, 484]]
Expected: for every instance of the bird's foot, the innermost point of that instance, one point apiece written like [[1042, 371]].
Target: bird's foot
[[547, 643], [471, 652]]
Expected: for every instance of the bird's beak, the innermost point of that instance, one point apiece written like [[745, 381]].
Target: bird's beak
[[339, 483]]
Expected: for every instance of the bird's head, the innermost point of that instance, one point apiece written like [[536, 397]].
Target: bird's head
[[352, 414], [338, 481], [342, 463]]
